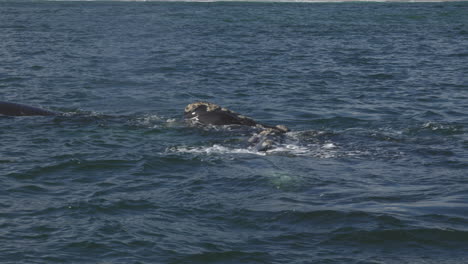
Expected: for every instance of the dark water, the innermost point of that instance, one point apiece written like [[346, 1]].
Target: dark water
[[374, 170]]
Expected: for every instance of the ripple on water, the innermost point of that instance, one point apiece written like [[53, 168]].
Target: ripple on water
[[373, 172]]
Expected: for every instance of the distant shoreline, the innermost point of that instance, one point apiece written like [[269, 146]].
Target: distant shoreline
[[324, 1], [318, 1], [333, 1], [253, 1], [284, 0], [249, 1]]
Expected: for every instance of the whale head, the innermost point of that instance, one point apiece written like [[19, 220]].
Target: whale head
[[212, 114], [204, 113]]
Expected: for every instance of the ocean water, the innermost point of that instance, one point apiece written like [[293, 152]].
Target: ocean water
[[374, 169]]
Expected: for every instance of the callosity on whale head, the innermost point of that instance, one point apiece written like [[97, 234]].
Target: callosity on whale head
[[212, 114]]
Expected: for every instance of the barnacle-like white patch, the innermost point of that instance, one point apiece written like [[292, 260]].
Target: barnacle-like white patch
[[282, 128], [209, 106]]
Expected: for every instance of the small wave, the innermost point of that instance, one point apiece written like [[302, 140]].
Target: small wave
[[434, 236], [81, 113], [226, 257], [28, 188], [101, 205], [323, 151], [148, 121], [151, 121], [380, 76], [439, 128]]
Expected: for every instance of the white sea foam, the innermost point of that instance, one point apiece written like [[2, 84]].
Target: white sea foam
[[298, 143], [329, 146], [150, 121], [290, 149], [215, 149], [327, 150], [437, 126]]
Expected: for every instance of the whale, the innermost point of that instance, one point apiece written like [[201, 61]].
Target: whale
[[206, 113], [14, 109], [198, 113]]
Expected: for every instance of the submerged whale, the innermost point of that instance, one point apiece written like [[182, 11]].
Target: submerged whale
[[13, 109], [204, 113]]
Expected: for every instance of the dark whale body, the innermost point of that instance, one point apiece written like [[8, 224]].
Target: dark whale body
[[205, 113], [13, 109], [211, 114]]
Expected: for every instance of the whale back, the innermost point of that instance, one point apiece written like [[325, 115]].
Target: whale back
[[13, 109]]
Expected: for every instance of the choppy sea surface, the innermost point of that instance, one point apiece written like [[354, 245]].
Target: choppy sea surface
[[374, 170]]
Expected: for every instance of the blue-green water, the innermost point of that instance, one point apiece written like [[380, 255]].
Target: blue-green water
[[373, 171]]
